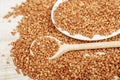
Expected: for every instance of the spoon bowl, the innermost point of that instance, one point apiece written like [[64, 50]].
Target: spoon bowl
[[78, 36], [53, 38]]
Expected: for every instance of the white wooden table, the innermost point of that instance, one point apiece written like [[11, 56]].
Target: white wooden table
[[7, 71]]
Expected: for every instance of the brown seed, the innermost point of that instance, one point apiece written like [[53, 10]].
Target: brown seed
[[9, 21], [7, 62], [2, 55]]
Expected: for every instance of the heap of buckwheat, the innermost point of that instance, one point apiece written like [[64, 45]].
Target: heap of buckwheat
[[74, 65]]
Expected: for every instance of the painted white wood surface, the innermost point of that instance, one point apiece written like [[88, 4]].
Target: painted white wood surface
[[7, 71]]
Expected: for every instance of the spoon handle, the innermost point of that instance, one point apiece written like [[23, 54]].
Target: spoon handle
[[70, 47], [96, 45]]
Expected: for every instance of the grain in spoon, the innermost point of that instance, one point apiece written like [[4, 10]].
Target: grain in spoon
[[87, 20]]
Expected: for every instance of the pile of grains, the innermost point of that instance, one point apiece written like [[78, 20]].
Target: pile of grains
[[88, 17], [44, 46], [74, 65]]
